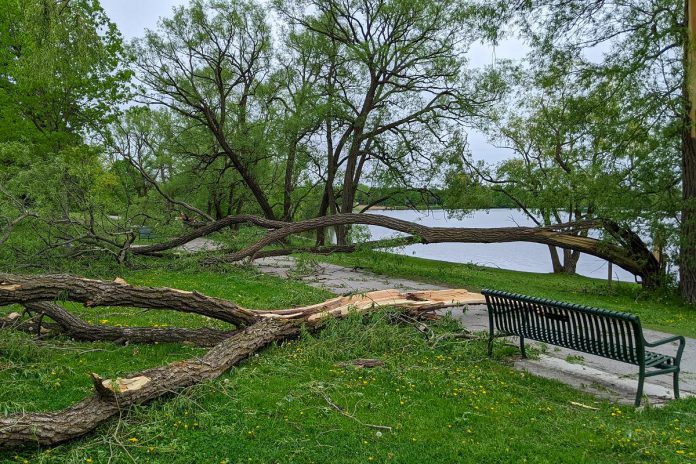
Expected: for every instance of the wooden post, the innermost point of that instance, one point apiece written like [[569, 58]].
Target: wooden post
[[609, 272]]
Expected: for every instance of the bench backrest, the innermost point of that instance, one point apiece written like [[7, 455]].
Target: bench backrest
[[610, 334]]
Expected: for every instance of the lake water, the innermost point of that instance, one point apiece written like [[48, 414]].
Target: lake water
[[518, 256]]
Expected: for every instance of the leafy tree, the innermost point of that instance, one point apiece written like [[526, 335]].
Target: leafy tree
[[61, 70], [580, 155], [62, 76], [396, 86], [207, 63], [645, 42]]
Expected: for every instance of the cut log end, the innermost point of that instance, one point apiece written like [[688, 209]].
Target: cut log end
[[108, 388]]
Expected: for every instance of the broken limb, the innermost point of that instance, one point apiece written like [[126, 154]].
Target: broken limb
[[114, 396]]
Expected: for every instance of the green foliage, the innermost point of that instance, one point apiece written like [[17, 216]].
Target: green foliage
[[63, 70]]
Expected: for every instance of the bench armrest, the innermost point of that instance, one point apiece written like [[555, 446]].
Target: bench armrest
[[675, 338]]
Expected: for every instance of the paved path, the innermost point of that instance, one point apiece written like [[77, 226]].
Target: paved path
[[603, 377], [195, 245]]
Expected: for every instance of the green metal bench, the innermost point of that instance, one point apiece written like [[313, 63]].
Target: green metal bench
[[146, 233], [609, 334]]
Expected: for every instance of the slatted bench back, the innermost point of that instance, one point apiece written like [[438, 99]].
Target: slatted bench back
[[596, 331]]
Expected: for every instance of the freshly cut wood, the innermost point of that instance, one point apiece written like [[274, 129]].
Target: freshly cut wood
[[114, 396], [340, 306]]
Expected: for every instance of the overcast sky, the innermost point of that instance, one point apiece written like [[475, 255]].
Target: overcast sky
[[134, 16]]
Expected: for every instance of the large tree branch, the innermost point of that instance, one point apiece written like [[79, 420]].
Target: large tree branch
[[636, 260], [33, 289], [77, 329], [207, 230], [115, 396]]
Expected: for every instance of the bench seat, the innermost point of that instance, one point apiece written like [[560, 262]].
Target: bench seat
[[610, 334]]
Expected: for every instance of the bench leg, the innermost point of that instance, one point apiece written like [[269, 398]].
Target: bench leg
[[524, 353], [639, 393], [675, 379], [490, 345]]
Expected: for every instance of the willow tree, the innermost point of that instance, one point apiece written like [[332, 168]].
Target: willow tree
[[398, 87], [642, 41], [579, 153], [208, 63], [62, 76]]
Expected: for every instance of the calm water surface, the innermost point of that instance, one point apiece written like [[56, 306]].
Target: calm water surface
[[517, 256]]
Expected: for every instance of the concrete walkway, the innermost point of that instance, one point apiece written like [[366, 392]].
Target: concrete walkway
[[603, 377]]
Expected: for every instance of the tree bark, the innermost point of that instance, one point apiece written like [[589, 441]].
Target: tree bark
[[114, 397], [52, 428], [207, 230], [34, 289], [556, 265], [326, 250], [79, 330], [633, 256], [687, 261]]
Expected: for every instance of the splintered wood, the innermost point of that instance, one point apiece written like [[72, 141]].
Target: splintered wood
[[416, 301]]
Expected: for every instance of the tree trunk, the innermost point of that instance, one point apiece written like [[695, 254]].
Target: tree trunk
[[289, 184], [687, 262], [555, 260], [570, 261], [632, 254], [114, 397]]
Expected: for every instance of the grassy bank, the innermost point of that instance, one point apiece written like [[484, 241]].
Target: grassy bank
[[304, 402], [662, 311]]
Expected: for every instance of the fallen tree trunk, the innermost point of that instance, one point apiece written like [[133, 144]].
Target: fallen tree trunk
[[33, 289], [207, 230], [114, 397], [636, 258], [77, 329]]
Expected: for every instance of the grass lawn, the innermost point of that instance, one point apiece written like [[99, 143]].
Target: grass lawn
[[658, 311], [303, 402]]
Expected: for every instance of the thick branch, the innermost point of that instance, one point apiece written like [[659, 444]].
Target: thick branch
[[635, 261], [33, 289], [327, 250], [113, 397], [76, 328], [207, 230]]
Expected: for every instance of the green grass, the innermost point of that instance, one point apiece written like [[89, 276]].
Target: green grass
[[443, 403], [661, 311], [448, 403]]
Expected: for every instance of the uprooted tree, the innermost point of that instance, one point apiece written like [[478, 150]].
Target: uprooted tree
[[253, 331]]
